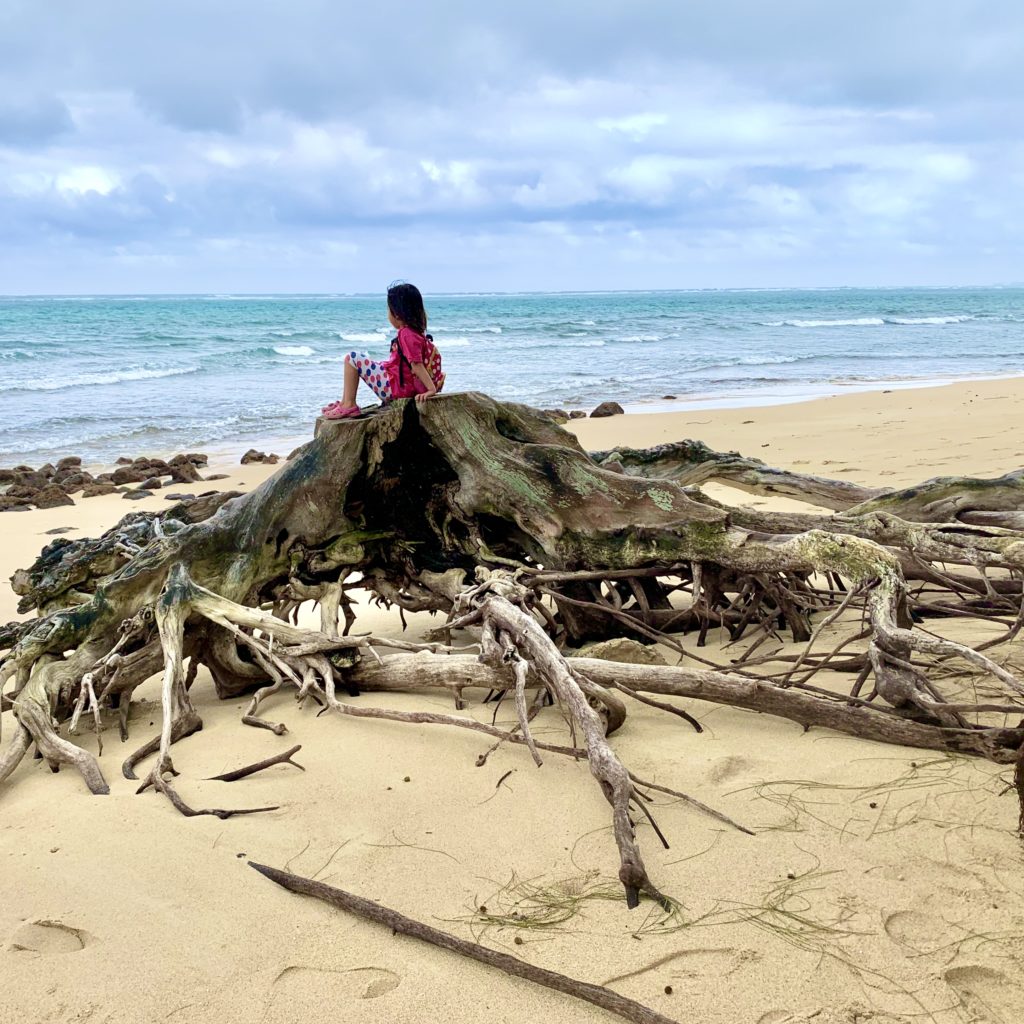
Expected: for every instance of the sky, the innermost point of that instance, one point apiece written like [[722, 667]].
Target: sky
[[330, 146]]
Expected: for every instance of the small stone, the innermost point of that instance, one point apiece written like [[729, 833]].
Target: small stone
[[136, 495], [518, 940], [239, 855], [59, 529], [872, 805], [217, 476], [483, 909], [668, 398], [747, 421], [607, 409], [54, 849], [790, 875], [407, 779], [668, 990]]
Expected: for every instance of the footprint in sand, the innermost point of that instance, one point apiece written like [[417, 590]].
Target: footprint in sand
[[920, 932], [724, 768], [299, 992], [988, 995], [46, 938]]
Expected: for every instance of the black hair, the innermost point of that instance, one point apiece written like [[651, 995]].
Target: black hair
[[406, 303]]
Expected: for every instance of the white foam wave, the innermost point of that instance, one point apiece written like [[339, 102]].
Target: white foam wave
[[293, 350], [642, 337], [95, 379], [481, 330], [452, 342], [914, 320], [861, 321], [378, 336]]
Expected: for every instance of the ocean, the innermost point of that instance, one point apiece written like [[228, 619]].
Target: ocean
[[102, 376]]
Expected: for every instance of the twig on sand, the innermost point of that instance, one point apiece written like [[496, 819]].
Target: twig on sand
[[240, 773]]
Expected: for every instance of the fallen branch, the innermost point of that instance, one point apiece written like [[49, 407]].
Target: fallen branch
[[629, 1009]]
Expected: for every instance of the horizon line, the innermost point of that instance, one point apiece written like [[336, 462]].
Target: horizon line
[[525, 291]]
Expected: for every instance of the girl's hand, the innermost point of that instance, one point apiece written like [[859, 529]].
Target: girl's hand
[[424, 395]]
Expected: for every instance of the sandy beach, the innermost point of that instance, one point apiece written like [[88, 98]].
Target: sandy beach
[[882, 884]]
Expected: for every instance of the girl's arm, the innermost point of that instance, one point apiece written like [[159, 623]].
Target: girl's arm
[[424, 378]]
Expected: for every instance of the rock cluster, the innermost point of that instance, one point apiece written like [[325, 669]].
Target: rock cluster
[[254, 456], [23, 487]]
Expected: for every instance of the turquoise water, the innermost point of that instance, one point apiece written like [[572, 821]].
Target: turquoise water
[[105, 376]]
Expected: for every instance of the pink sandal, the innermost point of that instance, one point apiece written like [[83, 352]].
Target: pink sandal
[[336, 411]]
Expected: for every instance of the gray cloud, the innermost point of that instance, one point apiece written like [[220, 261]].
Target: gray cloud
[[648, 143]]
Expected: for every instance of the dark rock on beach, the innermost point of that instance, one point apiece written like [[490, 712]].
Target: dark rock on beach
[[184, 472], [9, 504], [70, 462], [254, 456], [196, 458], [97, 488], [577, 414], [50, 496], [137, 494], [126, 475], [72, 481], [608, 409], [152, 484]]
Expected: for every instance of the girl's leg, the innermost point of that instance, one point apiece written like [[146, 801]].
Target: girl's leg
[[359, 366], [348, 397]]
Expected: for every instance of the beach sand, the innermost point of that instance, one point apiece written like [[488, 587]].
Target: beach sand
[[883, 884]]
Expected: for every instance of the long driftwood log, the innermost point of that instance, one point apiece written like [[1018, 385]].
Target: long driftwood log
[[493, 517]]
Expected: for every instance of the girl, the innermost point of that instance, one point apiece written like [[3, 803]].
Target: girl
[[402, 374]]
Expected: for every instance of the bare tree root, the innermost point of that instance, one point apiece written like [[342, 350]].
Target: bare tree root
[[408, 504], [371, 911]]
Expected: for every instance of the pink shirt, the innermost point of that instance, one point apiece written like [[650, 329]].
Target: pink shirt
[[406, 384]]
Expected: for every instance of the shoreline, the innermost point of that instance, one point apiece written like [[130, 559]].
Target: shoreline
[[226, 453]]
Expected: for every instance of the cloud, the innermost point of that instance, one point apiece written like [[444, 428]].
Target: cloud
[[246, 146]]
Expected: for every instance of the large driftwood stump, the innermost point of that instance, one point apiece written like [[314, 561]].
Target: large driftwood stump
[[495, 517]]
